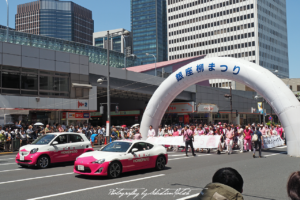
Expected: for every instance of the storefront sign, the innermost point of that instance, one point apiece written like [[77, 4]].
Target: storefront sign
[[120, 113], [180, 119], [82, 104], [181, 107], [72, 115], [203, 107], [186, 119]]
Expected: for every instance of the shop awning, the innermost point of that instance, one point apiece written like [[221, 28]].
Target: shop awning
[[78, 85]]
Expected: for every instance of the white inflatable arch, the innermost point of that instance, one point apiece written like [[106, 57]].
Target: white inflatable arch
[[264, 82]]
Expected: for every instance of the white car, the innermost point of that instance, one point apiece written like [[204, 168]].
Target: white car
[[53, 148], [121, 156]]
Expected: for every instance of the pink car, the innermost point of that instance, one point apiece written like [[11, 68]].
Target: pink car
[[121, 156], [53, 148]]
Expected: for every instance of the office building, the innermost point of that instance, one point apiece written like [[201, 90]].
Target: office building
[[254, 30], [149, 29], [116, 42], [59, 19]]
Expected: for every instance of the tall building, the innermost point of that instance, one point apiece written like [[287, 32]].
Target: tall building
[[116, 42], [254, 30], [53, 18], [149, 29]]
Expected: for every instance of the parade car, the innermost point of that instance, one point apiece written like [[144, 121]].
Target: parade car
[[53, 148], [121, 156]]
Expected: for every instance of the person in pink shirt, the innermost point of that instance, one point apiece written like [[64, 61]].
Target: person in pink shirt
[[279, 131], [229, 139], [188, 137], [137, 136], [247, 139]]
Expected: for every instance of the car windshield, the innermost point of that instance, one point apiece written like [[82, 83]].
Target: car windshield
[[45, 139], [117, 147]]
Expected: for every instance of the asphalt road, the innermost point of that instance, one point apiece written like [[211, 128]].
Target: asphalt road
[[264, 178]]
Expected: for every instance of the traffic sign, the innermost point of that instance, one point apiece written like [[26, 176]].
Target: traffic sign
[[270, 118]]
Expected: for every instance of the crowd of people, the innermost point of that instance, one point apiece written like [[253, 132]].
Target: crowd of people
[[232, 136], [246, 138]]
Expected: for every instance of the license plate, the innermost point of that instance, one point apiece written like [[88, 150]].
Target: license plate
[[22, 158], [80, 167]]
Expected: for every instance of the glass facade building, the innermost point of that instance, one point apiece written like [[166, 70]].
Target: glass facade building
[[96, 55], [149, 29], [53, 18]]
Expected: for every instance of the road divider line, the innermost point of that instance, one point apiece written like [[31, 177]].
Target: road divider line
[[190, 157], [9, 164], [11, 170], [29, 179], [191, 196], [8, 159], [281, 147], [176, 155], [96, 187]]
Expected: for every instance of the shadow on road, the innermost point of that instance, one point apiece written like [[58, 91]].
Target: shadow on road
[[123, 175]]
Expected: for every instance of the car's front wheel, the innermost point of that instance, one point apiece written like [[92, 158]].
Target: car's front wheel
[[43, 162], [114, 170], [160, 163]]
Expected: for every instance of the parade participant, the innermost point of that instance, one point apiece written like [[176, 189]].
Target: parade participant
[[219, 150], [279, 131], [151, 131], [273, 130], [257, 138], [241, 138], [188, 137], [247, 139], [122, 134], [176, 133], [137, 136], [267, 130], [229, 139], [114, 134], [170, 131], [160, 132]]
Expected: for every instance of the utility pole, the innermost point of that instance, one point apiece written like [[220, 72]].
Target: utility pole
[[108, 92], [230, 103]]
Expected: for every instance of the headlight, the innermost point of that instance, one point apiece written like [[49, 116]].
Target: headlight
[[33, 151], [100, 161]]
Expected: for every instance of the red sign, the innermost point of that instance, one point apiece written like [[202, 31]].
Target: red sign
[[64, 115], [186, 119], [180, 119]]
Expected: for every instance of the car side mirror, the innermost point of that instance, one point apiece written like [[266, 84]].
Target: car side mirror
[[134, 150], [54, 143]]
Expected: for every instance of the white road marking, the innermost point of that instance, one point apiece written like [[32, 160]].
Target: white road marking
[[8, 159], [281, 147], [176, 155], [28, 179], [194, 195], [8, 164], [190, 157], [11, 170], [96, 187]]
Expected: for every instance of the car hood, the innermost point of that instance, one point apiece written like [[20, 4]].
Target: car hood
[[103, 155], [30, 147]]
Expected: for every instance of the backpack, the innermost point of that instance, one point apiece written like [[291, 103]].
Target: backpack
[[255, 137]]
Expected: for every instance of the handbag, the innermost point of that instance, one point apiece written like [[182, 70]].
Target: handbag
[[254, 137]]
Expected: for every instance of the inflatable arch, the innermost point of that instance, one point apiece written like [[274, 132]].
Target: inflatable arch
[[264, 82]]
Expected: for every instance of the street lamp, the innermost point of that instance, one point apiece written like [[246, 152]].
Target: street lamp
[[108, 84], [7, 21], [133, 55], [147, 54], [230, 98], [125, 34]]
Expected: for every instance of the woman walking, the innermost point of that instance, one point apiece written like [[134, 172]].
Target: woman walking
[[257, 138]]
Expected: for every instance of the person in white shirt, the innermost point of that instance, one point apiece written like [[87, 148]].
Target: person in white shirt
[[160, 132], [151, 132], [170, 131], [241, 138]]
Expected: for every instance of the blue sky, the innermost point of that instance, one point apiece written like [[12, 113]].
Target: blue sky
[[113, 14]]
